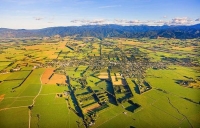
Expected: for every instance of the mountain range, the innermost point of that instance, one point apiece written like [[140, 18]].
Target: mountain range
[[111, 30]]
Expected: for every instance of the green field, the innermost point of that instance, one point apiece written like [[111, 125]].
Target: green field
[[108, 83]]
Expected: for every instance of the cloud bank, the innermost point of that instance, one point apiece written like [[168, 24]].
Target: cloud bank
[[173, 21]]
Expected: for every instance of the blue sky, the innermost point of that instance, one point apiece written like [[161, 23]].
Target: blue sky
[[33, 14]]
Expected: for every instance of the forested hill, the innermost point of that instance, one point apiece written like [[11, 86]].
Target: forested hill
[[101, 31]]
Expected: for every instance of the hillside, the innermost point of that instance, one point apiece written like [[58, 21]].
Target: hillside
[[180, 32]]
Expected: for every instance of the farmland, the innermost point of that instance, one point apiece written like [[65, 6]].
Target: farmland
[[90, 82]]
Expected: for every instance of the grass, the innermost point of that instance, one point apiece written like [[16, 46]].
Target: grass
[[17, 118], [6, 86], [88, 103], [74, 74], [91, 81], [27, 68], [74, 83], [53, 112], [18, 75], [4, 76], [120, 120], [71, 103], [51, 115], [82, 68], [4, 65], [30, 87], [153, 117], [21, 101], [23, 95], [166, 81], [108, 114], [81, 91], [47, 89]]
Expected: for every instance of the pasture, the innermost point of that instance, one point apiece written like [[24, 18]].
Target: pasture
[[87, 82]]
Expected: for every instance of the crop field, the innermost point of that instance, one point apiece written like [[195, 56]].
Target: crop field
[[87, 82], [18, 75], [57, 78], [116, 82], [4, 65], [46, 76], [90, 108], [103, 75]]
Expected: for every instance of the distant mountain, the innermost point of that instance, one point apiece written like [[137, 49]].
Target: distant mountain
[[112, 30]]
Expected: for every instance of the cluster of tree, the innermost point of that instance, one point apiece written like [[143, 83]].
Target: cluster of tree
[[90, 119], [185, 82], [102, 96], [85, 96], [60, 95]]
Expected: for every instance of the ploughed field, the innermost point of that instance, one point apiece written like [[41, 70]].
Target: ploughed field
[[87, 82]]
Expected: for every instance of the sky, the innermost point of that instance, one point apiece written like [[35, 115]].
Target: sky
[[36, 14]]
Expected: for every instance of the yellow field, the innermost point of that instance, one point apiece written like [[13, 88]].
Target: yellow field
[[90, 108], [45, 76], [57, 78], [103, 75], [183, 49], [2, 97], [118, 82]]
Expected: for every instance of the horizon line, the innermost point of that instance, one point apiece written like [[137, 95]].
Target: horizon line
[[98, 25]]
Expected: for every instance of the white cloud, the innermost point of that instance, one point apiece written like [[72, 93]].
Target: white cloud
[[137, 22], [161, 22], [164, 16], [174, 21], [74, 21], [134, 22], [198, 19], [181, 21], [105, 21], [130, 22], [38, 18], [120, 21], [95, 21]]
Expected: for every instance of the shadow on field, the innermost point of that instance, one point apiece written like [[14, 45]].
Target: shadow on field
[[132, 107], [109, 88], [136, 88]]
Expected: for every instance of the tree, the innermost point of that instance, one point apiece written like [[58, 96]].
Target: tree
[[30, 107], [38, 116]]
